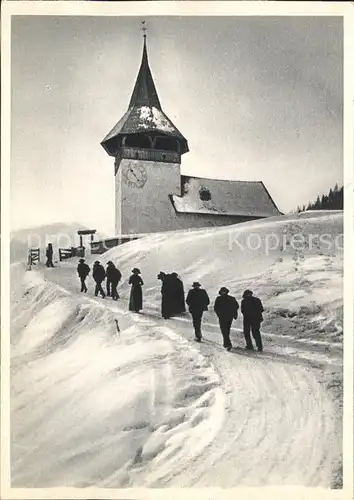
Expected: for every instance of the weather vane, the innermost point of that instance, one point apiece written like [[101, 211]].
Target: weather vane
[[143, 28]]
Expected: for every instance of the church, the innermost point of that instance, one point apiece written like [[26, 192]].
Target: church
[[151, 195]]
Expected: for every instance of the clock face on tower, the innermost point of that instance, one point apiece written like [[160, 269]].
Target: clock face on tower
[[135, 175]]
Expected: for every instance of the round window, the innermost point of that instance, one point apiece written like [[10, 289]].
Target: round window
[[204, 194]]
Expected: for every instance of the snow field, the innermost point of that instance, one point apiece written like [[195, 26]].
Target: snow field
[[300, 284], [146, 406]]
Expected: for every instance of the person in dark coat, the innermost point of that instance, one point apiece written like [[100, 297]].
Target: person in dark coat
[[98, 275], [252, 309], [83, 271], [177, 290], [108, 279], [136, 294], [113, 278], [197, 301], [49, 255], [166, 301], [226, 308]]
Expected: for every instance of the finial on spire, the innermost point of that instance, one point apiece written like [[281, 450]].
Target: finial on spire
[[143, 29]]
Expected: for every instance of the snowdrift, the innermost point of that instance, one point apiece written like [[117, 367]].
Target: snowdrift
[[293, 263], [94, 406]]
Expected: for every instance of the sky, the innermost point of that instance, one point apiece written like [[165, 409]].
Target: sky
[[258, 98]]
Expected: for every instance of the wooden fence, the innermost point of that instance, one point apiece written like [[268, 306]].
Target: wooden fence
[[68, 253], [33, 257]]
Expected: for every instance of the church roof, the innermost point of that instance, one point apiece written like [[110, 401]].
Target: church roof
[[144, 113], [144, 93], [220, 197]]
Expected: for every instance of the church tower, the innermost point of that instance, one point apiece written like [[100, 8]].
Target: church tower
[[147, 148]]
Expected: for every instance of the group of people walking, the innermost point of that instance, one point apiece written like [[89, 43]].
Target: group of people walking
[[172, 295], [226, 308], [111, 274], [173, 301]]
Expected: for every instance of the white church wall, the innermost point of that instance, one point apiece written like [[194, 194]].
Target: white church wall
[[118, 202], [144, 201]]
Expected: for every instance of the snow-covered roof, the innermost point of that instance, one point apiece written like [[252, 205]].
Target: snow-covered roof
[[144, 119], [220, 197], [144, 113]]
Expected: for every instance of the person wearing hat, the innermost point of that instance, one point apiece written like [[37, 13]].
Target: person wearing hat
[[98, 275], [83, 271], [226, 308], [197, 301], [252, 309], [136, 294], [113, 278], [49, 255]]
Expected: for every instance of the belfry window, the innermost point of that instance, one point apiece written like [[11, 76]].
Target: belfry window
[[167, 144], [138, 141]]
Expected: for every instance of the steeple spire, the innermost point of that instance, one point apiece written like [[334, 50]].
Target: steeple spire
[[143, 29], [144, 93], [144, 115]]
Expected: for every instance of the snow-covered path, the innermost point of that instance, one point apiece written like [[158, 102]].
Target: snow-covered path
[[278, 418], [278, 425], [288, 349]]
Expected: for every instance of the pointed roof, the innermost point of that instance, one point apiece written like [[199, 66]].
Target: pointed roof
[[144, 93], [144, 113]]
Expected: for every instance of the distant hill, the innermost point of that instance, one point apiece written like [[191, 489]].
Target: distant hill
[[59, 234]]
